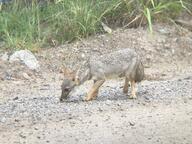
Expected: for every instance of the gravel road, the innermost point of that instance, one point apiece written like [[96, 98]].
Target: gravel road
[[161, 114]]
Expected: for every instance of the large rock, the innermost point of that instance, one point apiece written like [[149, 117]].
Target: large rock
[[26, 57]]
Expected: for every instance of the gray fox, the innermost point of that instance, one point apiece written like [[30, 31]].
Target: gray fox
[[122, 63]]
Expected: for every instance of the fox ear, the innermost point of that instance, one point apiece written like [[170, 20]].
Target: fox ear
[[77, 81], [73, 79], [67, 72]]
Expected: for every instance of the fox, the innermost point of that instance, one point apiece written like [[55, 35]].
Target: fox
[[121, 63]]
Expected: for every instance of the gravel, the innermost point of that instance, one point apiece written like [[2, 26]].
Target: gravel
[[42, 108]]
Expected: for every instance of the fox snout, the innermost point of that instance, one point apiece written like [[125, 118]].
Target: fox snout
[[64, 94], [66, 88]]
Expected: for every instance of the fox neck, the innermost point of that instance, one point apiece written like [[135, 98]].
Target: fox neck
[[86, 75]]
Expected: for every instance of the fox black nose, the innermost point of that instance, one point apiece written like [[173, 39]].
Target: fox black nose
[[61, 99]]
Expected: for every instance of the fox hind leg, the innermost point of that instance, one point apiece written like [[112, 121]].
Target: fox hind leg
[[126, 86], [133, 91]]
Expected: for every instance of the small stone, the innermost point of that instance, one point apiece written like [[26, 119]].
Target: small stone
[[185, 100], [173, 51], [108, 102], [16, 120], [15, 98], [163, 74], [168, 90], [22, 135], [7, 76], [131, 123], [76, 139], [83, 55], [100, 110], [163, 31], [3, 120], [70, 117], [148, 57], [118, 104], [26, 76], [38, 137], [106, 28]]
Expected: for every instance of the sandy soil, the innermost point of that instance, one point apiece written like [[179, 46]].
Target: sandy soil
[[30, 111]]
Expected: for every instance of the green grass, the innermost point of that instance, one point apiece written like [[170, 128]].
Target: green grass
[[33, 26], [146, 11]]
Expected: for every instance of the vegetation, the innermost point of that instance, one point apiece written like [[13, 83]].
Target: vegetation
[[33, 25]]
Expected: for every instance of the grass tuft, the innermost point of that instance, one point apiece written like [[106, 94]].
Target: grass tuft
[[31, 25]]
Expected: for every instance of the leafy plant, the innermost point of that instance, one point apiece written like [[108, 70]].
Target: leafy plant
[[149, 9], [29, 25]]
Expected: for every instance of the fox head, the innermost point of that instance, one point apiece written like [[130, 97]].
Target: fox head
[[66, 87]]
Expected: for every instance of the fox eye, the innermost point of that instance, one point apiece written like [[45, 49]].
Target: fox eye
[[73, 79]]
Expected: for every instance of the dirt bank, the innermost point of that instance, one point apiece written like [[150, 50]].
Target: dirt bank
[[30, 111]]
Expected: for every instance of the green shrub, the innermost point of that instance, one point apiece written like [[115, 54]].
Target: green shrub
[[30, 25]]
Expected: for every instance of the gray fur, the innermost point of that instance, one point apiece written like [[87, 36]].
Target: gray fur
[[122, 63]]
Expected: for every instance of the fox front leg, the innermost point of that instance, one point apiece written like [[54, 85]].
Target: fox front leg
[[92, 94]]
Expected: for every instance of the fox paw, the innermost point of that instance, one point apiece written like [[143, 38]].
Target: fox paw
[[90, 98], [133, 97]]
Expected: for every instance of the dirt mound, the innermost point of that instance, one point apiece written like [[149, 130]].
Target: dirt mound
[[165, 53]]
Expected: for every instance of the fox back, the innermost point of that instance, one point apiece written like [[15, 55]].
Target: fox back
[[125, 62]]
